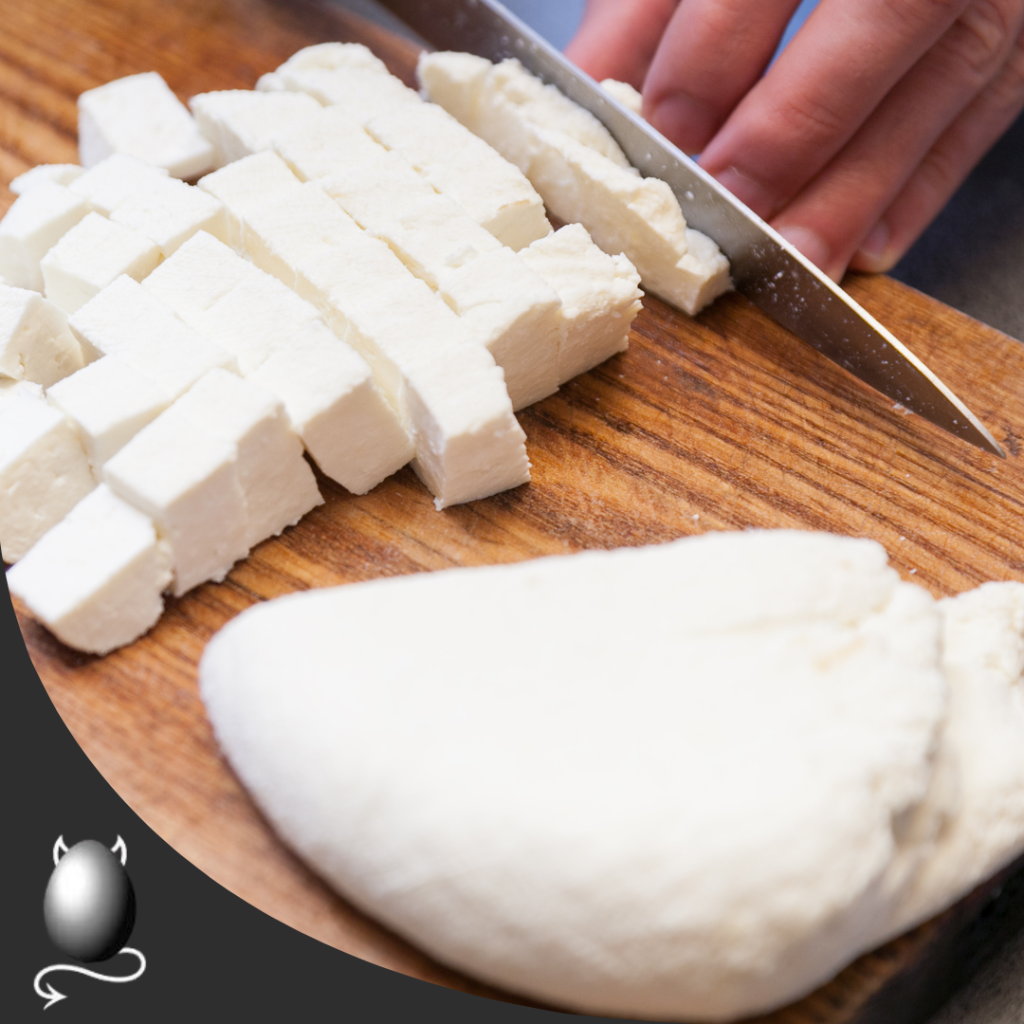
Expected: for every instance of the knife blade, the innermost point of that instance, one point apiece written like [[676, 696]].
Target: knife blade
[[765, 267]]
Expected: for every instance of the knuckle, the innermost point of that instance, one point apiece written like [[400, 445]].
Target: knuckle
[[916, 14], [981, 38], [812, 121]]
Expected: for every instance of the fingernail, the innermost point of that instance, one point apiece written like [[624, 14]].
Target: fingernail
[[746, 190], [686, 121], [872, 254], [809, 242]]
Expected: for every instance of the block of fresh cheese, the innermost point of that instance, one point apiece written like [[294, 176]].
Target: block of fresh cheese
[[140, 116], [36, 343], [623, 211], [114, 180], [600, 296], [32, 226], [61, 174], [97, 578], [127, 320], [240, 122], [44, 471], [624, 93], [92, 255], [774, 701]]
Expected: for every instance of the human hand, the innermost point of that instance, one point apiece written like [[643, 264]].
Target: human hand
[[858, 134]]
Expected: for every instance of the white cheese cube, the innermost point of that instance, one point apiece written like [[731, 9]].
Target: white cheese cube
[[128, 321], [93, 254], [109, 402], [455, 82], [600, 297], [240, 122], [59, 174], [115, 180], [32, 226], [9, 388], [703, 273], [36, 343], [346, 424], [44, 471], [96, 579], [276, 481], [465, 168], [624, 93], [186, 480], [140, 116], [326, 143]]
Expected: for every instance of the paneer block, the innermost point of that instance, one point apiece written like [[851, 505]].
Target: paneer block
[[326, 143], [109, 402], [44, 471], [703, 273], [113, 181], [97, 578], [276, 481], [346, 424], [140, 116], [600, 297], [240, 122], [93, 254], [59, 174], [186, 479], [624, 93], [32, 226], [127, 320], [36, 343], [9, 388]]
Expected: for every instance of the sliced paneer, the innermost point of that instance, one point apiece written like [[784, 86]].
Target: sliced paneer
[[703, 273], [109, 401], [128, 321], [36, 343], [92, 255], [32, 226], [186, 479], [44, 471], [278, 486], [140, 116], [465, 168], [326, 143], [9, 388], [97, 578], [115, 180], [600, 297], [240, 122], [59, 174], [346, 424], [624, 93]]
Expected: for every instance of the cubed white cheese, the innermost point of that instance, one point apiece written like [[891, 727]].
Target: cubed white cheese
[[240, 122], [346, 424], [9, 388], [32, 226], [35, 341], [326, 143], [96, 579], [44, 471], [455, 82], [127, 320], [185, 478], [60, 174], [140, 116], [93, 254], [624, 93], [703, 273], [600, 297], [113, 181], [109, 402], [276, 481]]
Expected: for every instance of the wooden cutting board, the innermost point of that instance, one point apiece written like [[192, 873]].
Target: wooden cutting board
[[719, 423]]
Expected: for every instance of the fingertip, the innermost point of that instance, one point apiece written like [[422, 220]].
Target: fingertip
[[876, 254]]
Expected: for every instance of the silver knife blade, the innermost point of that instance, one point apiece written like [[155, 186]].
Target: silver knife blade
[[765, 267]]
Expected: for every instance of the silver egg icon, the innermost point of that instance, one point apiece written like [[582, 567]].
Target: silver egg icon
[[89, 906]]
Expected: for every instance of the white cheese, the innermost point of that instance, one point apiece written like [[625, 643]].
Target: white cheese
[[35, 341], [624, 93], [327, 143], [276, 481], [346, 424], [240, 122], [96, 579], [60, 174], [113, 181], [140, 116], [44, 471], [677, 791], [185, 478], [600, 296], [92, 255], [109, 402], [32, 226]]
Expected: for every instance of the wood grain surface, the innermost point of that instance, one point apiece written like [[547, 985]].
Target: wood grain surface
[[720, 423]]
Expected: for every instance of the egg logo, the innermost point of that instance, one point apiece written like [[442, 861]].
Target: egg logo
[[89, 911]]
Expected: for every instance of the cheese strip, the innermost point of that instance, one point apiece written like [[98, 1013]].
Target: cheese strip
[[35, 341], [468, 443], [60, 174], [44, 471], [623, 211]]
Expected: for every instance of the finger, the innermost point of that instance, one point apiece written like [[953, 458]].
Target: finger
[[711, 54], [945, 167], [833, 74], [618, 38], [830, 218]]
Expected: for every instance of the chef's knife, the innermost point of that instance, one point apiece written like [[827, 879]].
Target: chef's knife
[[765, 267]]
